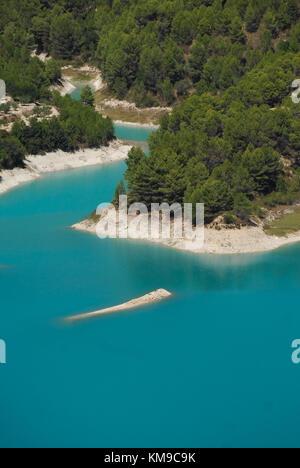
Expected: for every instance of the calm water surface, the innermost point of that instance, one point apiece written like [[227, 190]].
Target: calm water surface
[[210, 367]]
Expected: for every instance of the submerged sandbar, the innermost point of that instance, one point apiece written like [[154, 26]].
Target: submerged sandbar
[[154, 296]]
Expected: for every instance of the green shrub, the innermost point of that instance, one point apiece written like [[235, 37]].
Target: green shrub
[[229, 219]]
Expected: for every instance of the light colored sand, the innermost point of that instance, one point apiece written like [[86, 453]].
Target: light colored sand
[[116, 103], [121, 123], [35, 166], [225, 241], [155, 296], [43, 57], [65, 87], [85, 68], [69, 83], [15, 177], [97, 84], [24, 112]]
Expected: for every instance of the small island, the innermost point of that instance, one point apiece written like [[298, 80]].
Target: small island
[[154, 296]]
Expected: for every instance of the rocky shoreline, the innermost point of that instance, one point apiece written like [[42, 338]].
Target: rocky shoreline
[[245, 240], [36, 166]]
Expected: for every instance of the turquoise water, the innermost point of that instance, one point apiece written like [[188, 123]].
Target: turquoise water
[[211, 367], [132, 133], [77, 92], [121, 131]]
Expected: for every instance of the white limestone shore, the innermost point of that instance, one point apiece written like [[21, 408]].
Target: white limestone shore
[[65, 87], [155, 296], [225, 241], [68, 83], [36, 166], [117, 103], [150, 126]]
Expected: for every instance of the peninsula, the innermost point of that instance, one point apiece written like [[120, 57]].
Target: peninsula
[[217, 239]]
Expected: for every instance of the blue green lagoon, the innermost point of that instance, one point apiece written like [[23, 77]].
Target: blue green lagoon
[[210, 367]]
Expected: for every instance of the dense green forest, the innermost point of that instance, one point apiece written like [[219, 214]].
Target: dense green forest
[[78, 125], [233, 138], [154, 51], [60, 28], [221, 153], [162, 50], [234, 143]]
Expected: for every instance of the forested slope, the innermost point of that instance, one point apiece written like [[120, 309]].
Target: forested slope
[[77, 126], [234, 144], [154, 51], [163, 49], [233, 140], [60, 28]]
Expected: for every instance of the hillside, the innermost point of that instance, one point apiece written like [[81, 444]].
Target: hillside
[[161, 51], [232, 139], [50, 122], [153, 52], [234, 143]]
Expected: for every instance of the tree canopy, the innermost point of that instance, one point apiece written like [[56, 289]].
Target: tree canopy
[[78, 125], [155, 51], [227, 65]]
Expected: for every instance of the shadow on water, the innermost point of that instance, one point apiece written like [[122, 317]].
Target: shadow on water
[[140, 144]]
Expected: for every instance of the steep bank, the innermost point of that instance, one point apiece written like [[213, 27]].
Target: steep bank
[[85, 75], [35, 166], [121, 111], [128, 113]]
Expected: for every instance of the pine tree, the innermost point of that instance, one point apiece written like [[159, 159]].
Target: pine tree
[[120, 190], [87, 96], [236, 31], [293, 9], [242, 207], [269, 20], [252, 18]]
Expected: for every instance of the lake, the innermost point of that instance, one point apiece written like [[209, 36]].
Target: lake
[[209, 368]]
